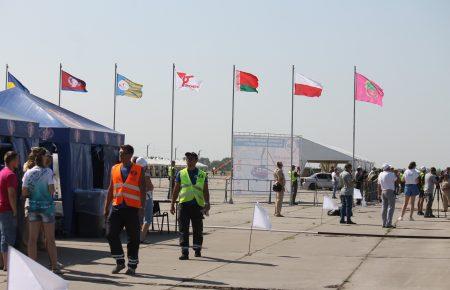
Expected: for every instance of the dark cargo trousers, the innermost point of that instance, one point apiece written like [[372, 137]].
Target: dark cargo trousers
[[190, 212], [119, 218]]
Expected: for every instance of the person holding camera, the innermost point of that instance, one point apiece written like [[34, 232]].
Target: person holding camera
[[431, 180], [278, 187]]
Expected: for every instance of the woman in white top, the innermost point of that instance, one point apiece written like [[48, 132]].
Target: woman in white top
[[411, 178]]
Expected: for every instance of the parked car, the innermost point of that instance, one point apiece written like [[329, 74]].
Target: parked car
[[321, 180]]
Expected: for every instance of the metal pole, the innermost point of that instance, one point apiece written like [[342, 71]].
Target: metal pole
[[232, 137], [354, 115], [291, 202], [173, 99], [115, 88], [171, 130], [147, 150], [6, 77], [59, 88], [251, 231]]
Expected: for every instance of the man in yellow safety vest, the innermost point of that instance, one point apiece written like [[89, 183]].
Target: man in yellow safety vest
[[191, 191]]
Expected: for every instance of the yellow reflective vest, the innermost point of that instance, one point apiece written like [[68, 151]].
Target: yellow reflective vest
[[190, 191]]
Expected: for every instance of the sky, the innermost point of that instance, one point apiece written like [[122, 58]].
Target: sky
[[401, 45]]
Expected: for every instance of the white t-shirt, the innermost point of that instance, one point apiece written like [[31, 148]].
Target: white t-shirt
[[386, 180], [335, 178], [411, 176], [36, 174]]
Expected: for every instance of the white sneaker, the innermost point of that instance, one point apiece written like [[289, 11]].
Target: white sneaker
[[400, 218], [411, 218]]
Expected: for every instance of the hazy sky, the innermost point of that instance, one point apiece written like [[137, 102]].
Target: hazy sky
[[402, 45]]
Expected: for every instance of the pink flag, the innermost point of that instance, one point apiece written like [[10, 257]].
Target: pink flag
[[368, 91]]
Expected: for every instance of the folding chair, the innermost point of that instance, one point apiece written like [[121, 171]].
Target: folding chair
[[157, 214]]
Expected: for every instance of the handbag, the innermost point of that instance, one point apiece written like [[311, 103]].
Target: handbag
[[277, 187]]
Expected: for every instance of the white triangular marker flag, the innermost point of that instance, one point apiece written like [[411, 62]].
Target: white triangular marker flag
[[329, 203], [363, 202], [261, 218], [24, 273], [357, 194]]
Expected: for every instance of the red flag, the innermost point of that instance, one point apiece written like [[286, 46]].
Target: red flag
[[71, 83], [306, 87]]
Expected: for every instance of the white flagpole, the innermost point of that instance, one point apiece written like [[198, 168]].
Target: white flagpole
[[354, 115], [171, 130], [6, 77], [291, 202], [251, 231], [60, 84], [115, 93], [232, 136]]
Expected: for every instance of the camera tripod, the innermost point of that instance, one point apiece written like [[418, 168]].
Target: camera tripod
[[437, 192]]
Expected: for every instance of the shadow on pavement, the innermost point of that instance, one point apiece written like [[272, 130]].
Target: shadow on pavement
[[179, 279], [219, 260]]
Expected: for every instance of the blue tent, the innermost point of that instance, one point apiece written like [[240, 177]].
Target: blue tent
[[17, 133], [86, 150]]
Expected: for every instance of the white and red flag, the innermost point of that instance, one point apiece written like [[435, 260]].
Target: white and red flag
[[306, 87], [188, 82], [71, 83]]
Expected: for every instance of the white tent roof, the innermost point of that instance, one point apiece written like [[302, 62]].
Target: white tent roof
[[166, 162]]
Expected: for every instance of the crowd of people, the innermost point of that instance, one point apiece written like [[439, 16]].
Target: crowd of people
[[384, 185], [128, 205], [129, 202]]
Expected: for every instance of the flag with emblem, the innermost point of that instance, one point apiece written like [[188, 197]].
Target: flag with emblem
[[125, 87], [71, 83], [12, 82], [368, 91], [187, 82]]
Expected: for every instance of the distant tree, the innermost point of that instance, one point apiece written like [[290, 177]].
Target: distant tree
[[220, 163]]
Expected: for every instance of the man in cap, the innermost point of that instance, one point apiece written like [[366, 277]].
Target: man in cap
[[127, 194], [191, 191], [386, 192]]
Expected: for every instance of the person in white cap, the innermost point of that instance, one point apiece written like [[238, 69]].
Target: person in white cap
[[148, 211], [386, 192]]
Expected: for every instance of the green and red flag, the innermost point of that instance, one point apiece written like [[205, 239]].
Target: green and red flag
[[246, 82]]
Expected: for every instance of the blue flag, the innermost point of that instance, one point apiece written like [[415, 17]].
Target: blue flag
[[15, 83]]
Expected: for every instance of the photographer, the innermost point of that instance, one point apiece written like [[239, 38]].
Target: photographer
[[431, 180]]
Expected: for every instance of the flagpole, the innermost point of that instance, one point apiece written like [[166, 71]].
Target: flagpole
[[171, 130], [6, 77], [291, 202], [251, 231], [59, 88], [115, 97], [173, 104], [354, 115], [232, 138]]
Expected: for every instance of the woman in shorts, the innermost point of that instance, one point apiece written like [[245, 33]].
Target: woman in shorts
[[411, 178], [38, 186]]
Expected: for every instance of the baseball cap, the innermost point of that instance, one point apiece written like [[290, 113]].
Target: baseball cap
[[141, 161], [191, 154], [423, 168], [386, 166]]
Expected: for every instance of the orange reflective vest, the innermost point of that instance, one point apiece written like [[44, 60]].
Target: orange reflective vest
[[128, 191]]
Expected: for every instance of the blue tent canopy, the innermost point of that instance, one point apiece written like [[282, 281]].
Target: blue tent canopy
[[86, 150], [57, 124], [14, 125]]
